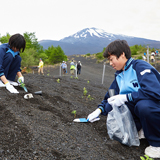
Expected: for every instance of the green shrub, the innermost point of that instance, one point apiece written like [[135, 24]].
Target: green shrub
[[139, 57], [88, 54]]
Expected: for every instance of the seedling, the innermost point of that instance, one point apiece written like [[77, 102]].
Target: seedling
[[84, 91], [74, 112], [71, 76], [58, 80], [48, 74], [76, 77], [22, 85], [146, 158], [88, 82], [89, 97]]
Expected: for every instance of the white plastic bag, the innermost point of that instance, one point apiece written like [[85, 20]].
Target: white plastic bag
[[121, 126]]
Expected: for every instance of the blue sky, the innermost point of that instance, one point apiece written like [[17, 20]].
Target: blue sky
[[56, 19]]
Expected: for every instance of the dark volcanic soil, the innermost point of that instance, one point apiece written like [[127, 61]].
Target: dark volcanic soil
[[42, 127]]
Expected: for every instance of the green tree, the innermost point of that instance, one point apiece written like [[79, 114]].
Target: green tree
[[28, 57], [99, 55], [5, 39], [134, 49], [55, 54], [31, 41]]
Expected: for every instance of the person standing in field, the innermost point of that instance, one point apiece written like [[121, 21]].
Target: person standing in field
[[72, 67], [79, 66], [64, 67], [40, 70]]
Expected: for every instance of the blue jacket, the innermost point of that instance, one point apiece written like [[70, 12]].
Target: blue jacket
[[139, 80], [4, 49]]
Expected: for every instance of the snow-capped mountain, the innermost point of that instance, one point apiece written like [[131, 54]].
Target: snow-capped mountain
[[88, 34], [93, 40], [91, 34]]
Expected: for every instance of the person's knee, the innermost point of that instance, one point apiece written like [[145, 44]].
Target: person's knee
[[143, 108]]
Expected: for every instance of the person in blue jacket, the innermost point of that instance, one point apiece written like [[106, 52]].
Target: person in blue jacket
[[10, 62], [137, 84]]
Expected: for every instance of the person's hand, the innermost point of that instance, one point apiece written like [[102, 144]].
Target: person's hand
[[117, 100], [20, 80], [94, 115], [10, 88]]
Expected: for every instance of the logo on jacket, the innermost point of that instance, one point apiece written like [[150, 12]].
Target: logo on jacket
[[134, 83]]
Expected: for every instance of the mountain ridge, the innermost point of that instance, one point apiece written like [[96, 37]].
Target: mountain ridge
[[93, 40]]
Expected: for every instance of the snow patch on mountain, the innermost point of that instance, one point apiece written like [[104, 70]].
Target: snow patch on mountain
[[92, 32]]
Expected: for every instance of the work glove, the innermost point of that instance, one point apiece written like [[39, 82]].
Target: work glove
[[10, 88], [20, 80], [117, 100], [94, 115]]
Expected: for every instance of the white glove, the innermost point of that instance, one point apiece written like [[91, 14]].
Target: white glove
[[20, 79], [94, 115], [10, 88], [117, 100]]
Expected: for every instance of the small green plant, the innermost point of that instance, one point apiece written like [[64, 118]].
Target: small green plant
[[74, 112], [146, 158], [89, 97], [76, 77], [88, 82], [58, 80], [84, 91], [22, 85], [71, 76], [48, 74]]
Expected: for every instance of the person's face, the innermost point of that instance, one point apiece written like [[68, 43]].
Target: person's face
[[15, 49], [117, 63]]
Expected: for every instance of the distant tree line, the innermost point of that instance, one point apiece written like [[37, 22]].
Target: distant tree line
[[34, 51], [137, 51]]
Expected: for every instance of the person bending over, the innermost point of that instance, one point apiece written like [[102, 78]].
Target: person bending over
[[10, 62]]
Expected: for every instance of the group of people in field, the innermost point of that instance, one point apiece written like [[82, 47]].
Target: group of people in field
[[73, 67], [136, 84]]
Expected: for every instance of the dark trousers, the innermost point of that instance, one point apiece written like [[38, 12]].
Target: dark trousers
[[79, 71], [146, 114], [11, 66]]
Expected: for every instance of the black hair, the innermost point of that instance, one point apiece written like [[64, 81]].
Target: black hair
[[17, 41], [117, 48]]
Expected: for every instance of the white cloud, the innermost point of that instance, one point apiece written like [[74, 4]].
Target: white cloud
[[56, 19]]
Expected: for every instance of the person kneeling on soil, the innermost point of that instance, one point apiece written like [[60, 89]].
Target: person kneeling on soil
[[10, 62], [136, 84]]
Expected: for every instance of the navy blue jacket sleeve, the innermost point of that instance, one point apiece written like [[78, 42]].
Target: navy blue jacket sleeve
[[105, 106], [149, 81], [2, 54]]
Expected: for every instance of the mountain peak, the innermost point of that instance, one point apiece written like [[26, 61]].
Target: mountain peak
[[92, 32], [86, 34]]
